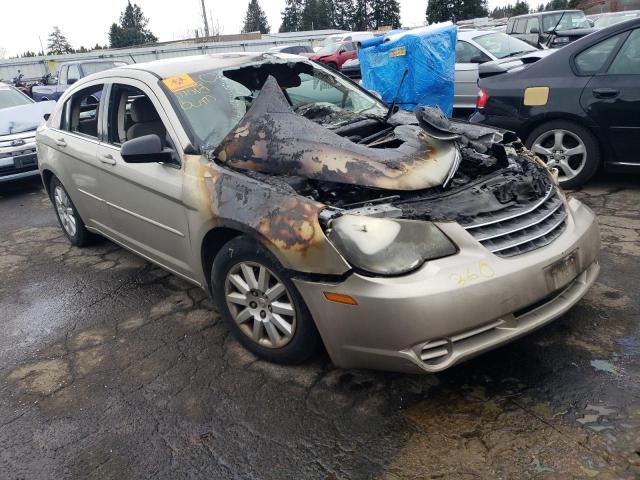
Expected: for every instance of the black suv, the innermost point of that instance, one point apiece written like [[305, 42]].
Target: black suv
[[552, 29]]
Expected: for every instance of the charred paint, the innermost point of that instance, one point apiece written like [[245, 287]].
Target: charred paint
[[273, 139]]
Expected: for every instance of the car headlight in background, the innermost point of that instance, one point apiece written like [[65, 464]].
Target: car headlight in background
[[561, 40], [387, 246]]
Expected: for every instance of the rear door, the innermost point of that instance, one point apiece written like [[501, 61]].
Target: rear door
[[74, 145], [612, 97], [145, 199]]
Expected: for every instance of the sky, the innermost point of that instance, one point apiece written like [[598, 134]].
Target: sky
[[86, 22]]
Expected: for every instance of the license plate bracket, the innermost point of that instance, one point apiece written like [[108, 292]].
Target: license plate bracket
[[562, 272], [25, 161]]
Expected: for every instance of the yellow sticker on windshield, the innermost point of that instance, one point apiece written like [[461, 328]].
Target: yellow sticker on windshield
[[179, 82]]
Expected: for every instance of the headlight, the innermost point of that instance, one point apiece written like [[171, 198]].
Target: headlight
[[387, 246]]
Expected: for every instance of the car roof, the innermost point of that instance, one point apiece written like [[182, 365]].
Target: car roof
[[93, 60], [170, 67], [535, 14]]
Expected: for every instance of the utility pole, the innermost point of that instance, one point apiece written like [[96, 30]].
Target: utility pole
[[204, 18]]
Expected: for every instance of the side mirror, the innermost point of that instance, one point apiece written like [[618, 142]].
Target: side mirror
[[591, 22], [145, 149], [534, 30], [71, 81]]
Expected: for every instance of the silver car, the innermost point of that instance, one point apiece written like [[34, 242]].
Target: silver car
[[475, 47], [19, 118], [314, 214]]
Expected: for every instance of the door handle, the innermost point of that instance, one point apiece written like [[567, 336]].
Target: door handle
[[605, 93], [108, 159], [61, 142]]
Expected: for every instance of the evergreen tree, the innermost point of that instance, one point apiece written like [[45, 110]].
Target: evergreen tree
[[520, 8], [292, 16], [343, 13], [57, 43], [132, 29], [386, 13], [255, 20], [363, 15], [443, 10]]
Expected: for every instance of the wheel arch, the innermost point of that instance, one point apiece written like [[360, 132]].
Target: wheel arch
[[47, 175]]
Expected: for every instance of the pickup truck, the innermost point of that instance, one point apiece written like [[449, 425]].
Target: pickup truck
[[68, 74]]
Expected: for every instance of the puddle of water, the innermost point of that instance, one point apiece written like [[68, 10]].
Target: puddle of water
[[604, 366]]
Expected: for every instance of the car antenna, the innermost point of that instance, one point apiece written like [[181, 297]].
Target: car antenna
[[553, 30], [395, 99]]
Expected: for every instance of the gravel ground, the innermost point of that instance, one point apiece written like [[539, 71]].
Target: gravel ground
[[112, 368]]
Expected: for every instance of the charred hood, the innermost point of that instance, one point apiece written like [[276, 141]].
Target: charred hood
[[273, 139]]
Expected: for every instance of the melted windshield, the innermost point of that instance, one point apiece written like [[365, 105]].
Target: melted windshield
[[501, 45], [217, 99]]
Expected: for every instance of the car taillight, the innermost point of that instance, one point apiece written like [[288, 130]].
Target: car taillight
[[481, 101]]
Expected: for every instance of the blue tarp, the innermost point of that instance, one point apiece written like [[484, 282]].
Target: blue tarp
[[428, 55]]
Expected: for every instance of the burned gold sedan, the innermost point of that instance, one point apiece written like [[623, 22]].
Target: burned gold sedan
[[314, 214]]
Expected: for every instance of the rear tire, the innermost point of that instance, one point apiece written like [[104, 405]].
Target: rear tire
[[68, 217], [260, 304], [569, 147]]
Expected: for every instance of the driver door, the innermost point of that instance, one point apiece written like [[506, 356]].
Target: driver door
[[145, 199]]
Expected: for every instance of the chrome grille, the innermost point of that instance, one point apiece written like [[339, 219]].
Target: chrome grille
[[518, 231]]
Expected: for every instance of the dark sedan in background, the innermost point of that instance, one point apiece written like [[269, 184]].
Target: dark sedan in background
[[578, 108]]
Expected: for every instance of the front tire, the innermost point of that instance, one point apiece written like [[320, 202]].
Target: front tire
[[257, 299], [569, 147], [68, 216]]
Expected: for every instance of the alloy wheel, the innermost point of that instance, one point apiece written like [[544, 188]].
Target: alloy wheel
[[65, 211], [260, 304], [563, 150]]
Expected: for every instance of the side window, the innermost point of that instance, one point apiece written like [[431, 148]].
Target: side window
[[467, 53], [63, 75], [533, 26], [132, 115], [510, 24], [520, 25], [80, 112], [74, 74], [627, 61], [592, 59], [349, 47]]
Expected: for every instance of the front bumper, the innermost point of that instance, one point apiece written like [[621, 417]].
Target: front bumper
[[453, 308], [18, 158]]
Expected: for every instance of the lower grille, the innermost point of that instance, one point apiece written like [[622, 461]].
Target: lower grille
[[434, 352], [522, 230]]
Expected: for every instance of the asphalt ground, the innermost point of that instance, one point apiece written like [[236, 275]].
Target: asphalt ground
[[112, 368]]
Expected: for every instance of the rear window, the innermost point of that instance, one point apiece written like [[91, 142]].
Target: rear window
[[592, 59]]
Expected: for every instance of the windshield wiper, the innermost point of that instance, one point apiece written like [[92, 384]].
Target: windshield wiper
[[513, 54], [395, 99]]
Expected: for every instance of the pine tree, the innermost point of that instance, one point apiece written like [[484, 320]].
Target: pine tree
[[443, 10], [292, 16], [343, 13], [363, 15], [520, 8], [255, 20], [132, 29], [57, 43], [386, 13]]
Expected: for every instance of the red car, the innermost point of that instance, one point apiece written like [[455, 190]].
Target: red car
[[334, 54]]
